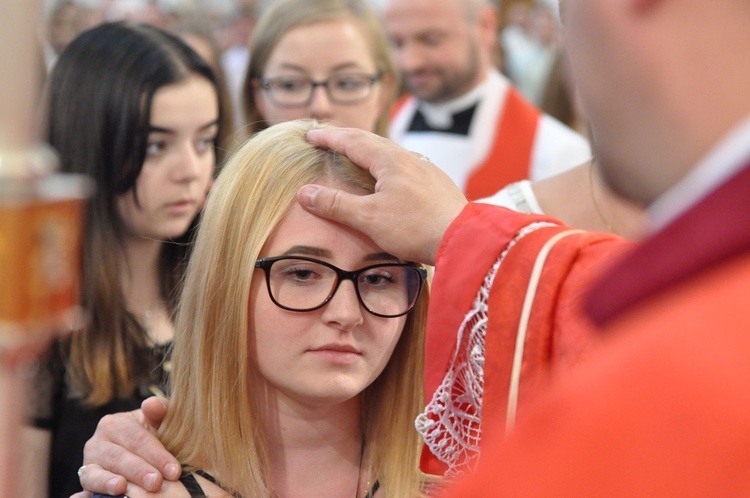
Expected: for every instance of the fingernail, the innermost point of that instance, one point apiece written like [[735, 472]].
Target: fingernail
[[150, 481], [113, 485], [171, 471], [307, 195]]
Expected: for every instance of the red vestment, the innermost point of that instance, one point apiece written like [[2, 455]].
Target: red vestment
[[558, 334], [664, 407]]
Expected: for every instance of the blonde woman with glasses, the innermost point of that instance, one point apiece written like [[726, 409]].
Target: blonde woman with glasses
[[322, 59], [299, 342]]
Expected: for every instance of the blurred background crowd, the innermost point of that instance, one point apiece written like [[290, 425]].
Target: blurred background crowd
[[528, 49]]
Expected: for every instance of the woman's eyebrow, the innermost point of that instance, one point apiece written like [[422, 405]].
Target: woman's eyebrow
[[380, 256], [325, 253], [339, 67], [161, 129], [309, 251]]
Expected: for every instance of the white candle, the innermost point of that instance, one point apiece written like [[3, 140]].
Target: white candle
[[20, 64], [19, 70]]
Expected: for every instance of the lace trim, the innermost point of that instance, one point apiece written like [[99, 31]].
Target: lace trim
[[451, 422]]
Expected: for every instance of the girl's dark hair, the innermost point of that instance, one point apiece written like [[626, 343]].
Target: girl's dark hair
[[99, 104]]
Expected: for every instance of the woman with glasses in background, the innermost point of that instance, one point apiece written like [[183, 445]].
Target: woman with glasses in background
[[322, 59], [297, 366]]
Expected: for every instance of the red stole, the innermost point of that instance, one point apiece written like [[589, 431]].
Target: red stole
[[509, 158], [399, 105]]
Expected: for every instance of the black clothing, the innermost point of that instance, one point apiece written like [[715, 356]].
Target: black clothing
[[56, 407]]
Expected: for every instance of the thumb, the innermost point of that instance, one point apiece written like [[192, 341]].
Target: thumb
[[154, 409], [331, 203]]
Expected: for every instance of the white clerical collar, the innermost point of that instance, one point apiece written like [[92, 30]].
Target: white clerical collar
[[721, 162], [441, 115]]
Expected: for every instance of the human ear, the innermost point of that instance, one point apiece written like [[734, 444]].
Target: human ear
[[487, 23]]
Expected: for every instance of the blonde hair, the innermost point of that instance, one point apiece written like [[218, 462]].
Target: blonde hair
[[213, 372], [283, 16]]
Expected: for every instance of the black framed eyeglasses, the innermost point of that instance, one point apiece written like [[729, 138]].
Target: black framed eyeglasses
[[291, 91], [299, 283]]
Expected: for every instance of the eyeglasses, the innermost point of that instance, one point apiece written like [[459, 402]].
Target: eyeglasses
[[298, 283], [341, 89]]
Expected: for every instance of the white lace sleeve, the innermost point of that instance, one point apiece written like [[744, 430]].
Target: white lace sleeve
[[451, 422]]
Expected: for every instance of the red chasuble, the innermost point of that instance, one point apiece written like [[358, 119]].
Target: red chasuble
[[557, 334], [663, 409]]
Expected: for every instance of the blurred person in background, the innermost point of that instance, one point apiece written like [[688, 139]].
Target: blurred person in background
[[138, 111], [460, 111], [323, 59], [65, 20], [235, 30], [529, 64], [197, 32]]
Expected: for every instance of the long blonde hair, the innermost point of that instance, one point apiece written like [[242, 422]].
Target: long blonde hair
[[213, 372], [283, 16]]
